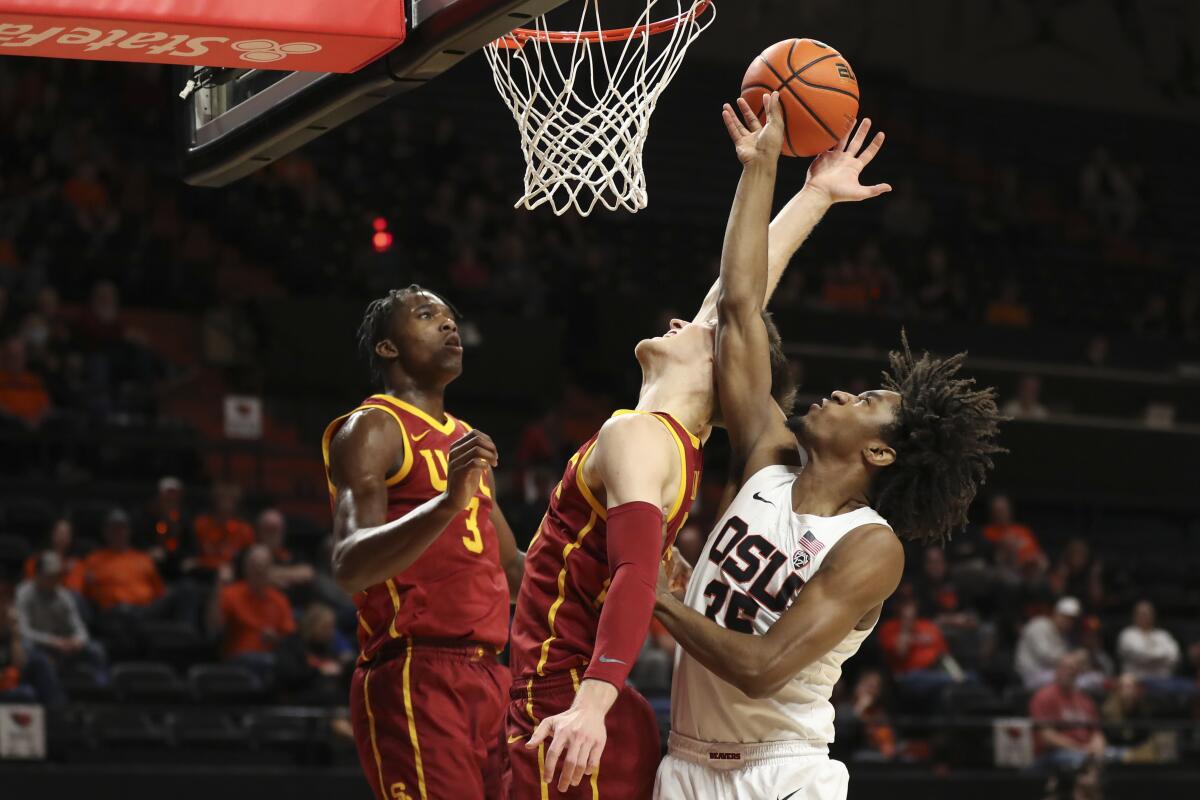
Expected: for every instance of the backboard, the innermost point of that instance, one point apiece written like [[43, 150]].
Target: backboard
[[235, 121]]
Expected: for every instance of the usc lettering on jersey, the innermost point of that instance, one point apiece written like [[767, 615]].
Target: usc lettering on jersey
[[457, 588], [566, 569]]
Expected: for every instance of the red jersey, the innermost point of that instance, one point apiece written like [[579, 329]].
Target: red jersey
[[456, 589], [566, 568]]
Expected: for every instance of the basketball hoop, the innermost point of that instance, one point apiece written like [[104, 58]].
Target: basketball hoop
[[584, 117]]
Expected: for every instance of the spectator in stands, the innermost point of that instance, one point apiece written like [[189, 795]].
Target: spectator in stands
[[49, 618], [1097, 352], [25, 677], [1008, 310], [313, 665], [270, 530], [250, 615], [24, 400], [1150, 653], [1027, 403], [1080, 574], [939, 599], [221, 534], [60, 541], [1125, 713], [915, 651], [164, 529], [1108, 192], [1098, 668], [1067, 734], [116, 576], [1002, 527], [1045, 641], [863, 726]]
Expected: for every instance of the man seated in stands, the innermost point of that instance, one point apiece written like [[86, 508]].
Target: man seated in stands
[[287, 574], [61, 541], [221, 534], [313, 665], [1044, 642], [915, 651], [1066, 719], [164, 529], [25, 677], [49, 618], [1003, 529], [1150, 653], [124, 585], [116, 576], [250, 615], [24, 400]]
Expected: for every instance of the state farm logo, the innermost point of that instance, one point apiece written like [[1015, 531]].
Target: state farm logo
[[159, 43], [263, 51]]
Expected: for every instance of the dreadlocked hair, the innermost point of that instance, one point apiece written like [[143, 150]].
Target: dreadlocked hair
[[944, 436], [374, 326]]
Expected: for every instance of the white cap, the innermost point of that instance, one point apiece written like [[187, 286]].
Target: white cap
[[1068, 606], [170, 482]]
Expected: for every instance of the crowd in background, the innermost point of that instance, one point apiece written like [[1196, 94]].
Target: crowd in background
[[92, 220]]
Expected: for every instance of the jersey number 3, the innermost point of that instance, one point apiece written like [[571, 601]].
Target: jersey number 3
[[438, 465]]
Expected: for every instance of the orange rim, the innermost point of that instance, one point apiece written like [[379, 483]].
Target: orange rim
[[520, 36]]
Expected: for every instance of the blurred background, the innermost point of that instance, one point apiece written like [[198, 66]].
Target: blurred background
[[170, 355]]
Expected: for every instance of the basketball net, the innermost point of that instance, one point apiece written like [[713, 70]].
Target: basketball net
[[583, 100]]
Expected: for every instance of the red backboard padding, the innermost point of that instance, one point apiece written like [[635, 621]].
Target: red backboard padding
[[307, 35]]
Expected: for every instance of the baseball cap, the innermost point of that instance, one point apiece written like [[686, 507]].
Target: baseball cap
[[1068, 606]]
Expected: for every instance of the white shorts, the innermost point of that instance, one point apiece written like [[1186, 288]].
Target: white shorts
[[695, 770]]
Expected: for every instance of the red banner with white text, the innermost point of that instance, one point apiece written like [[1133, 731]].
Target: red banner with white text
[[305, 35]]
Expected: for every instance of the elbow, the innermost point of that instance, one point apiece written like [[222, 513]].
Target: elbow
[[343, 575], [764, 677], [760, 687]]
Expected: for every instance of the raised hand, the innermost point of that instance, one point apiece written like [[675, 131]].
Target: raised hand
[[470, 457], [836, 171], [751, 139]]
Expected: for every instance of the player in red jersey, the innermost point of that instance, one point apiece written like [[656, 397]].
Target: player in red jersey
[[429, 560], [589, 591]]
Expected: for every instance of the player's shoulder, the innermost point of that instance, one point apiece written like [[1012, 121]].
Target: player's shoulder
[[643, 433], [365, 427], [872, 541]]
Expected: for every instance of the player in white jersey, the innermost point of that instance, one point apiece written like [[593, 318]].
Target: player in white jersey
[[794, 576]]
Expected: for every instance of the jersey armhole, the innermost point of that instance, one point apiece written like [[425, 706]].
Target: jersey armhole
[[335, 426]]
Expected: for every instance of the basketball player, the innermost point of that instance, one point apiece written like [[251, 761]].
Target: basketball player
[[588, 595], [794, 576], [429, 560]]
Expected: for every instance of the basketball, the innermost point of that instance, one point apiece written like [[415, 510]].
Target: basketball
[[817, 89]]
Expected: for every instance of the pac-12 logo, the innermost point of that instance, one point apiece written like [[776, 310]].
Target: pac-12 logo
[[264, 51]]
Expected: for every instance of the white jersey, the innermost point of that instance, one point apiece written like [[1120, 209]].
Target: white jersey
[[753, 566]]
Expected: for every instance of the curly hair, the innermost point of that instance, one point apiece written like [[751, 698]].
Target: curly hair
[[374, 326], [944, 436]]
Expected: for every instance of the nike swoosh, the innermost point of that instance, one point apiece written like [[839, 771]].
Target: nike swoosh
[[607, 660], [792, 794], [419, 438], [512, 739], [762, 499]]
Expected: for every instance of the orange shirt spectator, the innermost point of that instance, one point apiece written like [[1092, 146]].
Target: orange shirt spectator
[[22, 393], [910, 643], [1022, 537], [254, 618], [121, 577], [1002, 529], [74, 572], [219, 541]]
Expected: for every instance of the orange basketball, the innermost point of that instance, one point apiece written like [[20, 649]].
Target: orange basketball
[[817, 90]]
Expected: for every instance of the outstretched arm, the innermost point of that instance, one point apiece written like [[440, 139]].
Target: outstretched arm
[[832, 178], [743, 347], [858, 575], [368, 548]]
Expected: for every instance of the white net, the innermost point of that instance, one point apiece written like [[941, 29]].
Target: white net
[[583, 100]]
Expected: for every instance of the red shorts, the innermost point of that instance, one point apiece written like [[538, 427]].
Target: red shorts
[[429, 722], [631, 753]]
